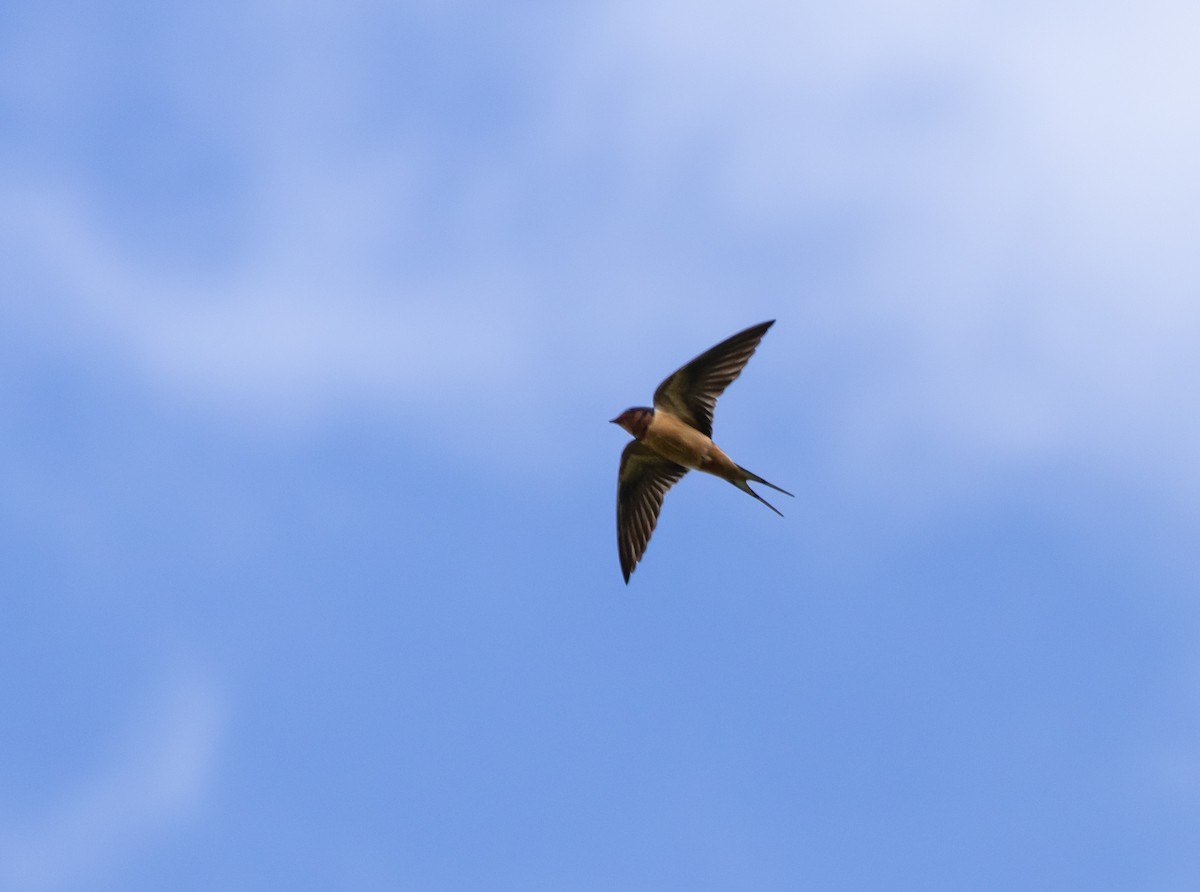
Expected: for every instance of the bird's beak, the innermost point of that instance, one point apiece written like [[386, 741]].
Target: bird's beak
[[613, 420]]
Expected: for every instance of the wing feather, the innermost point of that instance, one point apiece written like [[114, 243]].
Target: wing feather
[[642, 482], [691, 392]]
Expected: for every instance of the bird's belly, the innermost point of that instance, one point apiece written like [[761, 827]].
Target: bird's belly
[[681, 444]]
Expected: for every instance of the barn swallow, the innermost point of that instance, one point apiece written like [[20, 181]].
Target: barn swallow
[[676, 436]]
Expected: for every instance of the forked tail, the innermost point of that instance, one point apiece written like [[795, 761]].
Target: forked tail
[[745, 487]]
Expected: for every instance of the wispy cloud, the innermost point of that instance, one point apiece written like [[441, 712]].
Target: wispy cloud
[[1017, 279], [1022, 287], [154, 782]]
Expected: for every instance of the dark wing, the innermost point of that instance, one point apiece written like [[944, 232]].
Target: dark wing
[[643, 480], [692, 391]]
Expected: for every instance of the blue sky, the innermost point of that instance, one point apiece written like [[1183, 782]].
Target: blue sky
[[314, 318]]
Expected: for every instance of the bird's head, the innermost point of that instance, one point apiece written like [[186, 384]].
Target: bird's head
[[635, 420]]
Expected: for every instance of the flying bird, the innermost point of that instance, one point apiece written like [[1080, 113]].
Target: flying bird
[[676, 436]]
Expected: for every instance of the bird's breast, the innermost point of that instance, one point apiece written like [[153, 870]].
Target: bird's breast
[[677, 440]]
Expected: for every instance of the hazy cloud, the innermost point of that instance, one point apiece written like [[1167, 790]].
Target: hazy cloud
[[1019, 281], [154, 781]]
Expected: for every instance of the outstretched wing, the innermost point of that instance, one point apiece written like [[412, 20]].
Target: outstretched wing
[[643, 480], [691, 392]]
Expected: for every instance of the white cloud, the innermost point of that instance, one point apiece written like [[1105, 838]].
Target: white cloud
[[1028, 289], [154, 783], [1023, 285]]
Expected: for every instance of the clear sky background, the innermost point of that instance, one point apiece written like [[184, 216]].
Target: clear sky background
[[314, 316]]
